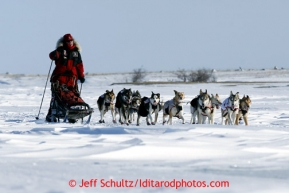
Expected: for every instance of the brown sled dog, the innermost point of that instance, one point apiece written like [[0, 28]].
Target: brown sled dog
[[244, 106], [174, 108], [105, 103]]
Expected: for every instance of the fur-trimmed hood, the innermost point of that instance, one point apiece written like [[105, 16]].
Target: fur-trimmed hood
[[60, 43]]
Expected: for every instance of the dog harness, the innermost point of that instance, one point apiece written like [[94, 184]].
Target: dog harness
[[106, 103], [170, 104], [205, 108], [225, 105], [245, 109], [134, 106], [154, 107]]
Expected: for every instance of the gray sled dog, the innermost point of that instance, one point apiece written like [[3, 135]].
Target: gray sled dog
[[230, 109], [123, 101], [244, 107], [210, 111], [174, 108], [105, 103], [134, 106], [204, 102], [149, 106]]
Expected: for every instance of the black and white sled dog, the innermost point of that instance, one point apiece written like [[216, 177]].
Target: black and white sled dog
[[149, 106], [123, 101], [134, 106], [105, 103], [174, 108], [230, 109]]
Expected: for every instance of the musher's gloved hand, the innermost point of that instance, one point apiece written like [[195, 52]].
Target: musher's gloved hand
[[82, 79], [56, 55], [60, 53]]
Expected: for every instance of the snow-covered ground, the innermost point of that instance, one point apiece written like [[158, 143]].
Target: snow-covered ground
[[41, 157]]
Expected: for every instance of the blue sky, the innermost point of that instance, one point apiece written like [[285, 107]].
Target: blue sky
[[122, 35]]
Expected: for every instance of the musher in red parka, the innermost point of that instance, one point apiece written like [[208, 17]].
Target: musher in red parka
[[68, 63], [68, 67]]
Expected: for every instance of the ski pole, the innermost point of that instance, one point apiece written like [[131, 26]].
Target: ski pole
[[44, 91]]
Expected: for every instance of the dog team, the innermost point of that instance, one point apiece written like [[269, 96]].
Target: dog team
[[130, 106]]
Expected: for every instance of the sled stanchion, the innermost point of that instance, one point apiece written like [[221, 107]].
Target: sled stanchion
[[88, 120], [66, 116], [89, 111], [44, 91], [80, 89]]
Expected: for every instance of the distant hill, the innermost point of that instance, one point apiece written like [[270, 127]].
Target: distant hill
[[161, 77]]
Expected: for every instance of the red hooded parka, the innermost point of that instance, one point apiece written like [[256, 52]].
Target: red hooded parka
[[68, 62]]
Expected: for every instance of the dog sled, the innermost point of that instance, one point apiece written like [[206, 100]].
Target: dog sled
[[67, 104]]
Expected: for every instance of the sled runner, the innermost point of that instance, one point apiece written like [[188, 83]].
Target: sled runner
[[67, 104]]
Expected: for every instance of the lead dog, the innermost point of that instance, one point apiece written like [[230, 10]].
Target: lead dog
[[174, 108], [134, 106], [149, 106], [123, 101], [244, 107], [105, 103], [230, 109]]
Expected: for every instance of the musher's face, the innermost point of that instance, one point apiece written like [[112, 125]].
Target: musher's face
[[69, 42]]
